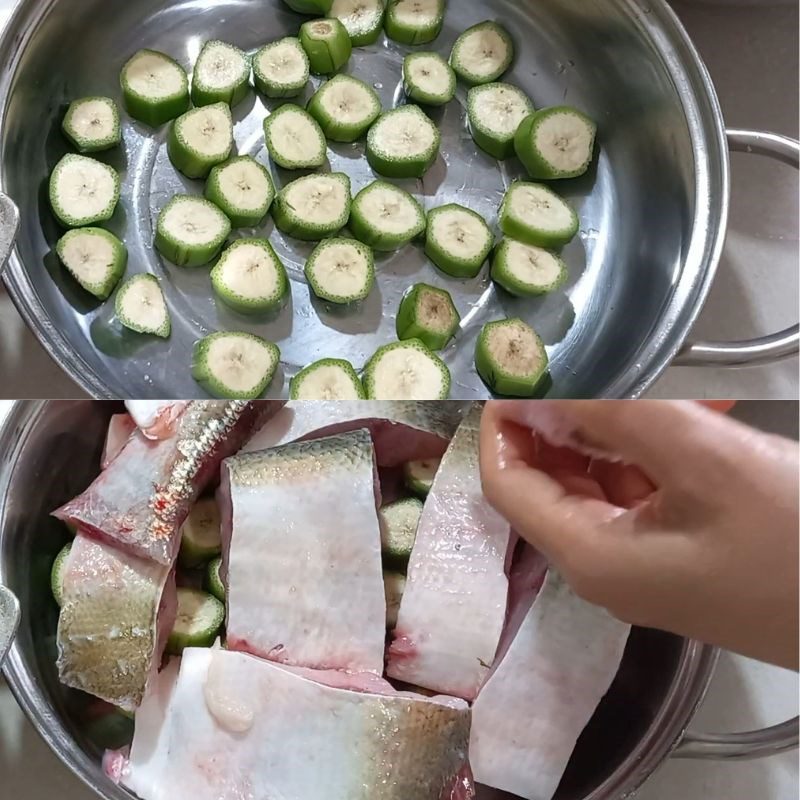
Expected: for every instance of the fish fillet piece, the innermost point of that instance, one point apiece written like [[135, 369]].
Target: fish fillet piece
[[141, 500], [114, 622], [236, 727], [304, 575], [454, 606], [402, 431], [157, 419], [529, 715], [120, 428]]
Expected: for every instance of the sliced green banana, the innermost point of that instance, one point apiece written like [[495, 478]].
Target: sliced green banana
[[525, 270], [327, 45], [221, 75], [406, 371], [191, 231], [95, 258], [57, 574], [345, 108], [250, 278], [394, 584], [201, 139], [403, 143], [419, 475], [235, 366], [198, 620], [341, 271], [496, 110], [200, 536], [399, 523], [458, 240], [294, 138], [309, 6], [414, 21], [213, 581], [328, 379], [155, 88], [242, 189], [428, 314], [428, 79], [556, 143], [386, 217], [83, 191], [281, 69], [140, 306], [313, 207], [362, 19], [510, 357], [482, 53], [533, 214], [92, 124]]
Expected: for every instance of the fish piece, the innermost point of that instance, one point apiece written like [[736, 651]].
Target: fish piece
[[157, 419], [454, 606], [541, 695], [114, 622], [239, 727], [401, 431], [141, 500], [120, 428], [302, 554]]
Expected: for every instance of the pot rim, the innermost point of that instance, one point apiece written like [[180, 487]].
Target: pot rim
[[704, 118], [684, 696]]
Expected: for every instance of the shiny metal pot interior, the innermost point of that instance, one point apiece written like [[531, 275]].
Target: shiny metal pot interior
[[653, 209], [50, 453]]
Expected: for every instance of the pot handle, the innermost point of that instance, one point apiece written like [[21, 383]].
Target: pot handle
[[9, 226], [9, 621], [739, 746], [765, 349]]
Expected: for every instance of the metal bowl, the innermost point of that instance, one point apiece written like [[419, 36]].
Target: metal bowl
[[51, 450], [653, 209]]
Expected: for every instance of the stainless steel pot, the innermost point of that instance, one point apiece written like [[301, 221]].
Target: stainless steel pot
[[50, 452], [654, 211]]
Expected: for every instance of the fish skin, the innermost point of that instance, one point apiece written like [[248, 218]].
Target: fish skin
[[306, 741], [453, 610], [110, 637], [541, 695], [402, 431], [141, 500], [302, 554], [120, 428]]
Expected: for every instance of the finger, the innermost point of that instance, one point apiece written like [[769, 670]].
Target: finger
[[671, 441], [624, 485], [550, 457], [559, 519]]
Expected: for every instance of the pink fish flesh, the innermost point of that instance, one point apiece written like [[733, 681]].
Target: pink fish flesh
[[303, 555], [116, 615], [454, 606], [120, 428], [532, 709], [156, 419], [235, 727], [401, 431], [141, 500]]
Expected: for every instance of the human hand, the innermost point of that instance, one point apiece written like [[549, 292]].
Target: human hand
[[695, 531]]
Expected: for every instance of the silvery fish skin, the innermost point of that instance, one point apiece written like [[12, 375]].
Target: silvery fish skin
[[454, 606], [402, 431], [531, 711], [143, 497], [302, 551], [116, 615], [237, 727]]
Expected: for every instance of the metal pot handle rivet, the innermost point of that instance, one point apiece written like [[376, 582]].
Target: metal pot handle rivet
[[739, 746], [9, 621], [9, 226], [775, 346]]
